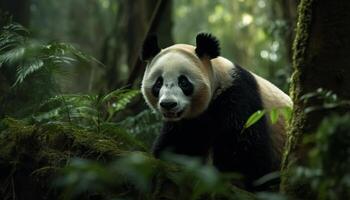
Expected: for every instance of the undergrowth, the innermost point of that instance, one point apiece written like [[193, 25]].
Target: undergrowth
[[82, 146]]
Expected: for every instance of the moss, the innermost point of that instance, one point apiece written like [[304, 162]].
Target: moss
[[320, 60], [324, 175], [27, 150], [296, 127], [32, 156], [55, 140]]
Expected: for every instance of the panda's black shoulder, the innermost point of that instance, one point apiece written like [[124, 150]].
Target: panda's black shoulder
[[243, 77], [242, 97]]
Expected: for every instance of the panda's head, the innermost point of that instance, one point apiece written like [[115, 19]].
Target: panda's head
[[178, 80]]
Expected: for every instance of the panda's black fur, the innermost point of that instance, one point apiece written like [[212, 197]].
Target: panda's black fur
[[207, 45], [150, 47], [218, 130]]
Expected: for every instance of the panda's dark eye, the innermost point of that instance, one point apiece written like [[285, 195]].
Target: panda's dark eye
[[157, 86], [185, 85]]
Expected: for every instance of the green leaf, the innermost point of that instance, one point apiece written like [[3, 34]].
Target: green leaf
[[12, 56], [118, 100], [113, 94], [254, 118], [124, 99], [274, 114], [287, 113], [27, 69], [16, 28]]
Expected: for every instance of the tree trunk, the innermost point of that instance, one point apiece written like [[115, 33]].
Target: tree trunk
[[113, 48], [289, 15], [137, 26], [133, 22], [320, 60], [160, 24]]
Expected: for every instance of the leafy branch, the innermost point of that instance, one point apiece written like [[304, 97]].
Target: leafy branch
[[28, 56], [85, 110], [329, 100], [274, 115]]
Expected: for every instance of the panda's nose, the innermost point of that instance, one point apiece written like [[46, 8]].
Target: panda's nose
[[168, 104]]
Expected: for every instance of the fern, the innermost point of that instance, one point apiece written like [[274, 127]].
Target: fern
[[25, 60], [13, 42], [28, 56], [27, 68], [118, 100], [33, 62], [93, 113], [87, 111], [144, 126], [11, 56]]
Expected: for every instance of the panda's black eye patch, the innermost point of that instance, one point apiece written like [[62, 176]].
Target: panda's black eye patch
[[157, 86], [185, 85]]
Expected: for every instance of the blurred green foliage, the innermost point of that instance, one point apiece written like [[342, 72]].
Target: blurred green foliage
[[328, 101], [327, 172], [91, 146], [252, 33], [143, 176], [61, 137], [69, 145], [30, 69]]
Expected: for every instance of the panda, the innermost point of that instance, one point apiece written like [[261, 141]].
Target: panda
[[205, 100]]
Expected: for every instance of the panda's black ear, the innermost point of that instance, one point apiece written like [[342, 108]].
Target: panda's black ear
[[150, 48], [207, 45]]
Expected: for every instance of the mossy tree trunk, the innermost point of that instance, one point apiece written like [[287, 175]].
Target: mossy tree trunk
[[321, 60]]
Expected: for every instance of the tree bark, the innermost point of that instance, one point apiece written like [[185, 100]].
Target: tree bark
[[113, 47], [137, 26], [161, 24], [320, 60], [289, 15], [134, 20]]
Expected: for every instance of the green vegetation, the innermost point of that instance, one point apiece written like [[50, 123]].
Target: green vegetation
[[81, 146], [252, 33], [327, 172], [273, 115], [72, 128]]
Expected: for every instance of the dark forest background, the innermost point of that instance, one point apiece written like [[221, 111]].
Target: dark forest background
[[256, 34], [74, 125]]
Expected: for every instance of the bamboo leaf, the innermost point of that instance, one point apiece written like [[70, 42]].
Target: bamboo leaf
[[287, 113], [274, 114], [254, 118]]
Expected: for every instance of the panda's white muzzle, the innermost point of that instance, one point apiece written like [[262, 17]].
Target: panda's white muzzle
[[172, 102], [170, 110]]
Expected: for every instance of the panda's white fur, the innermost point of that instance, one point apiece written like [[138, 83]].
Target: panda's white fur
[[211, 77], [272, 97], [170, 63]]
